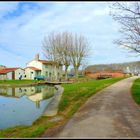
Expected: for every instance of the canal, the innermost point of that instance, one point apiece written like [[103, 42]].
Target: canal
[[23, 105]]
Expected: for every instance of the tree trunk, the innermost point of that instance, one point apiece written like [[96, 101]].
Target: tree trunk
[[76, 72], [66, 72]]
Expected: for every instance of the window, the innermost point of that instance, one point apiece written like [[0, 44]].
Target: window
[[50, 74], [46, 74]]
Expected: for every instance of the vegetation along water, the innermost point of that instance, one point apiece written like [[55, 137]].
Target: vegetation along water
[[73, 97]]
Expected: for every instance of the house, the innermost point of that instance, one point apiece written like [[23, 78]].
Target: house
[[31, 72], [49, 69], [11, 73]]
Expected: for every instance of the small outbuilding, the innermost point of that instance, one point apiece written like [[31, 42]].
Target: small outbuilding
[[11, 73]]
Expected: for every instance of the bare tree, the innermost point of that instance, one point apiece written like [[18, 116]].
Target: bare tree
[[64, 50], [56, 47], [128, 15], [79, 51], [50, 45]]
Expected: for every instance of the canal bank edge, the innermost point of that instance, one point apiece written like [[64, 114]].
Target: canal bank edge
[[20, 85], [34, 84], [52, 108]]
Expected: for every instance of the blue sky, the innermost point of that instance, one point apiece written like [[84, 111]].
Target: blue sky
[[23, 26]]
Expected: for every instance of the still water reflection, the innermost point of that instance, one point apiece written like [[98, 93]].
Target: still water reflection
[[23, 105]]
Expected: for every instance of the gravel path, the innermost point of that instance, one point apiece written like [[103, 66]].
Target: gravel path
[[111, 113]]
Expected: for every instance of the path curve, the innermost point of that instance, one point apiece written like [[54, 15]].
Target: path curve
[[110, 113]]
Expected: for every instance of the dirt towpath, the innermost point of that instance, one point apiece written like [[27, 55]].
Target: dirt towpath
[[111, 113]]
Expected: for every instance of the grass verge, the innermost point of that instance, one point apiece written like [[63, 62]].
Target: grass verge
[[74, 96], [136, 91]]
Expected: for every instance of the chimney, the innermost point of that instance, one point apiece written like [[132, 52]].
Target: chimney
[[37, 56]]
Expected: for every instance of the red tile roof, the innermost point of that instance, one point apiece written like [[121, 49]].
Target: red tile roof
[[34, 68], [6, 70]]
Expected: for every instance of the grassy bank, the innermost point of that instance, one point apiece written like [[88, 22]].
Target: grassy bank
[[17, 81], [136, 91], [73, 97], [76, 94]]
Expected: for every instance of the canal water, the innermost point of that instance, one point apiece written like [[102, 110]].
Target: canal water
[[23, 105]]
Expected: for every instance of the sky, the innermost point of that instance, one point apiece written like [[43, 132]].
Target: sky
[[23, 26]]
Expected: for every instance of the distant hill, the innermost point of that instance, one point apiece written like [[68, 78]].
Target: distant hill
[[129, 67]]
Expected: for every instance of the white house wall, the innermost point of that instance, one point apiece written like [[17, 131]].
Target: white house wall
[[3, 76], [9, 76], [47, 70], [51, 69], [28, 74], [35, 63], [19, 72]]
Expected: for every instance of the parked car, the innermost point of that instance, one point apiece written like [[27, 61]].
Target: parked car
[[39, 77]]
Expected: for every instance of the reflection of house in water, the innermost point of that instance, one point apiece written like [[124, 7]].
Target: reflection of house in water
[[46, 93], [7, 92], [23, 110], [42, 95], [34, 93], [18, 91]]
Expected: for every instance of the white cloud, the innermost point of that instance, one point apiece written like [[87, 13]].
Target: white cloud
[[23, 34], [101, 12], [11, 60]]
